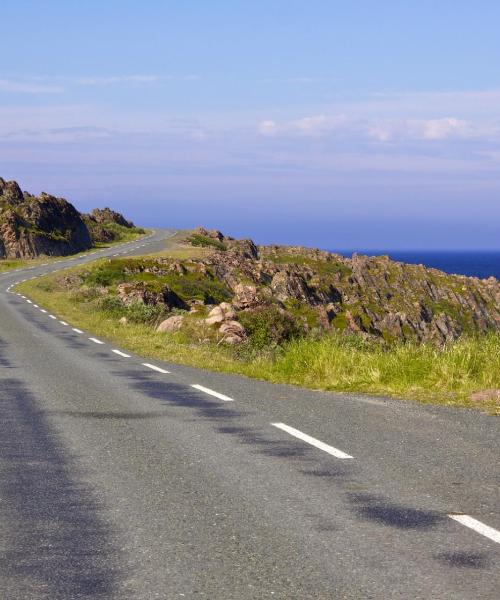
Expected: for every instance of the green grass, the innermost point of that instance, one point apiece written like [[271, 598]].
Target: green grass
[[334, 362], [206, 242], [123, 234], [8, 264]]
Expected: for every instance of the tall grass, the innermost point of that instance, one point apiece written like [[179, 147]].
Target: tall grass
[[420, 371]]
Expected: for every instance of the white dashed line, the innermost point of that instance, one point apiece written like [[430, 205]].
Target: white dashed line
[[52, 317], [43, 310], [313, 441], [211, 392], [29, 302], [95, 340], [120, 353], [35, 306], [477, 526], [154, 368], [63, 323], [76, 330]]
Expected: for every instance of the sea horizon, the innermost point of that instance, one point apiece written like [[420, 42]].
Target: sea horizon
[[473, 263]]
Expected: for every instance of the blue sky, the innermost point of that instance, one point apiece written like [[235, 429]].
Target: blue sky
[[329, 123]]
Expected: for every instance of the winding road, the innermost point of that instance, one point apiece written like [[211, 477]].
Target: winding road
[[123, 477]]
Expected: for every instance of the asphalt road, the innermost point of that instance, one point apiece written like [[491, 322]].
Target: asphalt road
[[119, 479]]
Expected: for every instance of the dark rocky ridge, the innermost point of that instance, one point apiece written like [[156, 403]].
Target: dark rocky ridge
[[31, 226], [370, 296]]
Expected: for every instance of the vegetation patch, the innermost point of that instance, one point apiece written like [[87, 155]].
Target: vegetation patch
[[198, 239]]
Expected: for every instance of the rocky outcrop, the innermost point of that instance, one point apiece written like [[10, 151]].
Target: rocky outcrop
[[369, 296], [31, 226], [106, 215], [142, 293], [101, 224], [35, 225]]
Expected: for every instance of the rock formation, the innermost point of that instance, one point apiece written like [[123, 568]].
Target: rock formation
[[31, 226], [369, 296], [35, 225]]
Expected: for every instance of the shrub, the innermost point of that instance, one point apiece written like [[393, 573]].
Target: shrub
[[106, 274], [137, 312], [270, 326], [202, 240], [112, 305]]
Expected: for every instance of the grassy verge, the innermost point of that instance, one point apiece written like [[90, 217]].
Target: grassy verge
[[7, 264], [333, 362]]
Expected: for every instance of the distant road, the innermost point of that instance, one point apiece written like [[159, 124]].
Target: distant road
[[126, 477]]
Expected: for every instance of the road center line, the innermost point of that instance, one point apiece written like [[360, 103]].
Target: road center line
[[313, 441], [95, 340], [154, 368], [211, 392], [120, 353], [477, 526]]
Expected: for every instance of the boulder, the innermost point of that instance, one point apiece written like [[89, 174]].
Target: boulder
[[220, 313], [170, 325], [246, 296], [233, 332]]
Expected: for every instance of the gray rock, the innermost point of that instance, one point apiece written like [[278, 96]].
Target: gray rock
[[170, 325]]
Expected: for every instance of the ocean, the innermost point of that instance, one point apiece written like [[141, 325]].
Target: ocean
[[461, 262]]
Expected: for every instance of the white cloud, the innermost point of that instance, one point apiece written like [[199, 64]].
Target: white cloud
[[358, 127], [316, 125], [319, 124], [440, 129], [58, 135], [119, 79], [26, 87], [268, 128]]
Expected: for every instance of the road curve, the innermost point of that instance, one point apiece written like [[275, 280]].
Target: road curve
[[125, 477]]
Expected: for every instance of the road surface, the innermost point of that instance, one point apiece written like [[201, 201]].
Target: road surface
[[125, 477]]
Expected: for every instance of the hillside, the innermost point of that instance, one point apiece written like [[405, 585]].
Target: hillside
[[237, 291], [32, 226]]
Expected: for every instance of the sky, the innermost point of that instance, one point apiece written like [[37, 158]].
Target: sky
[[337, 124]]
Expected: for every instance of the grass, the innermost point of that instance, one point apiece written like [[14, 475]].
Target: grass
[[8, 264], [334, 362], [176, 247]]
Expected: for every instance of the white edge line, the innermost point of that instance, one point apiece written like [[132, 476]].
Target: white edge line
[[313, 441], [120, 353], [154, 368], [196, 386], [477, 526]]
